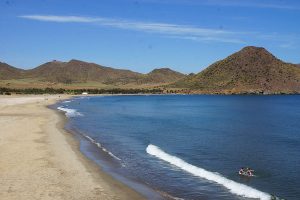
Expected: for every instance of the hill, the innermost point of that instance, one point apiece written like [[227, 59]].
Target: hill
[[251, 70], [162, 75], [8, 72], [80, 74], [76, 71]]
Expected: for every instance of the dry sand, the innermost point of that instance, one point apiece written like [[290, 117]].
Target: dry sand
[[40, 160]]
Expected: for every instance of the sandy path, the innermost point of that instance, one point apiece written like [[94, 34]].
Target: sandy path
[[38, 160]]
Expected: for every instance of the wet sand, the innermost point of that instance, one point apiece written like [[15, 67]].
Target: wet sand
[[40, 160]]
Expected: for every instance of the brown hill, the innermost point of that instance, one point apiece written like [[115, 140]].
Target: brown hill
[[252, 69], [76, 71], [162, 75], [8, 72]]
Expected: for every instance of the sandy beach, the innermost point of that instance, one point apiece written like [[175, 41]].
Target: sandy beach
[[40, 160]]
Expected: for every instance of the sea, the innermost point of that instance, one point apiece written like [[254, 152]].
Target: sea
[[192, 146]]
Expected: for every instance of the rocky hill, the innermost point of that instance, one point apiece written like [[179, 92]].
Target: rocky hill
[[162, 75], [76, 71], [251, 70], [8, 72]]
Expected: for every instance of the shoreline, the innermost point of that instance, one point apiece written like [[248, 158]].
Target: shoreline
[[102, 159], [43, 161]]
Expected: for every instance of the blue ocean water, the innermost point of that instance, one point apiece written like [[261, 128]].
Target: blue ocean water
[[197, 142]]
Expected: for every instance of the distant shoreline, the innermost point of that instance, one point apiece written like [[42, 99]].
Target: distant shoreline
[[119, 91]]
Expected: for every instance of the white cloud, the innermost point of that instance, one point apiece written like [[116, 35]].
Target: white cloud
[[54, 18], [181, 31], [210, 39], [263, 4], [284, 5], [174, 30]]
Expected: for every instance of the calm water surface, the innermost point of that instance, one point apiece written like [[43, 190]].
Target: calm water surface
[[216, 133]]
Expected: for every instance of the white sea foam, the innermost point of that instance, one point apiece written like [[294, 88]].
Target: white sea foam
[[69, 112], [68, 101], [101, 147], [234, 187]]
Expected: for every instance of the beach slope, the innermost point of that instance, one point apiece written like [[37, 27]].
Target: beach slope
[[39, 160]]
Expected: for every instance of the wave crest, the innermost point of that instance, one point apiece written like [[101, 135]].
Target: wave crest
[[69, 112], [234, 187], [101, 147]]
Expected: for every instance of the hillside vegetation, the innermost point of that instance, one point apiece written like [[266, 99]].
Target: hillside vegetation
[[251, 70], [82, 74], [8, 72]]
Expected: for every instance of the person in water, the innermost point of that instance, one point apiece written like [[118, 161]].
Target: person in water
[[242, 170], [246, 171], [249, 173]]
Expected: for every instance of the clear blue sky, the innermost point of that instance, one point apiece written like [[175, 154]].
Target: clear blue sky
[[186, 35]]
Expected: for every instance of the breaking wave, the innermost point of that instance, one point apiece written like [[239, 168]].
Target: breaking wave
[[101, 147], [234, 187], [70, 112]]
